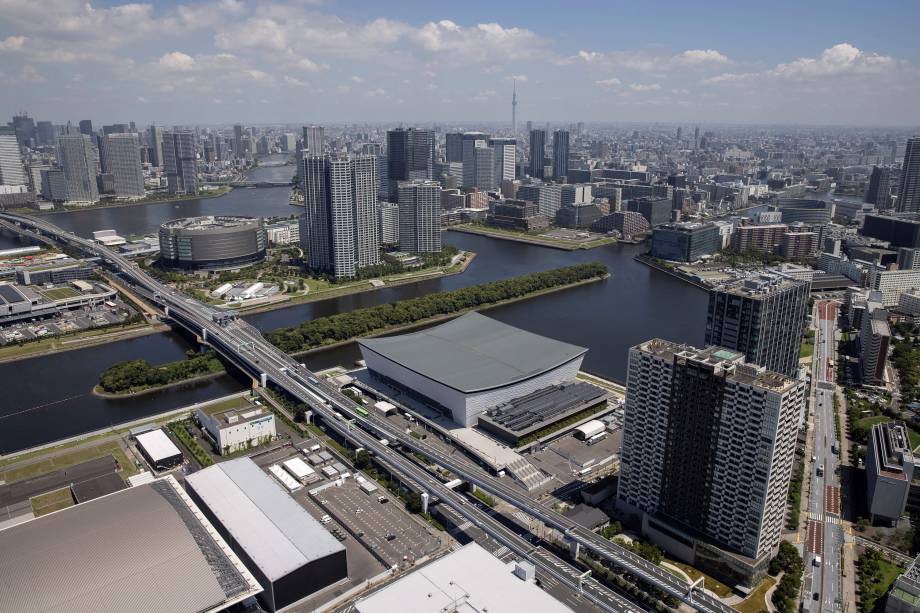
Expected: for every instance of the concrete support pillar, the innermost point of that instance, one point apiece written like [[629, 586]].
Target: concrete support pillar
[[263, 380], [574, 549], [204, 335], [473, 488], [425, 498]]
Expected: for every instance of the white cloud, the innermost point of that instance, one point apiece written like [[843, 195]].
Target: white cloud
[[12, 43], [309, 65], [482, 42], [644, 87], [376, 93], [483, 96], [840, 60], [142, 100], [294, 82], [519, 77], [589, 56], [357, 79], [257, 75], [611, 82], [701, 56], [177, 61]]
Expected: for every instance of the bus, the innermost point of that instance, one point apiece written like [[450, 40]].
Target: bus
[[361, 411]]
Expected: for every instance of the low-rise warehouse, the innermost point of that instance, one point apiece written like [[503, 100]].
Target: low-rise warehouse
[[470, 364], [146, 548], [469, 579], [158, 450], [290, 553]]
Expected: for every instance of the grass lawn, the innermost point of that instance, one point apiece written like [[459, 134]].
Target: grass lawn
[[69, 459], [59, 293], [755, 603], [716, 587], [889, 572], [868, 422], [52, 501], [806, 350], [225, 405]]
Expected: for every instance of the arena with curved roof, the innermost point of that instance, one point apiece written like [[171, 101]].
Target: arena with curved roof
[[470, 364]]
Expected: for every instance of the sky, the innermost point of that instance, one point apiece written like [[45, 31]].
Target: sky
[[205, 62]]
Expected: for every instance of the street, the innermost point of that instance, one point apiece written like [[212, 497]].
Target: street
[[825, 536]]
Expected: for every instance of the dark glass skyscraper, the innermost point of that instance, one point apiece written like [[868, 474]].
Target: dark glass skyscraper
[[410, 155], [560, 154], [537, 153], [909, 191]]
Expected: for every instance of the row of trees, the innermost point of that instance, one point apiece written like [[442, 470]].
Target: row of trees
[[361, 322], [136, 375], [789, 562]]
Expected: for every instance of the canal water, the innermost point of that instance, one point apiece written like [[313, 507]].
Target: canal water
[[48, 398]]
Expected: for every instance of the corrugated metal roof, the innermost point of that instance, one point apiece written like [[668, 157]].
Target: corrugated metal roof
[[276, 532], [474, 353], [129, 551]]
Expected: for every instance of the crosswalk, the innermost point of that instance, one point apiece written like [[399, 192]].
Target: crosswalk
[[827, 518]]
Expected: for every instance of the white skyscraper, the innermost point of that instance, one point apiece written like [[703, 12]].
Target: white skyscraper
[[420, 216], [123, 160], [478, 161], [505, 154], [388, 223], [80, 162], [314, 139], [340, 198], [11, 169], [708, 445]]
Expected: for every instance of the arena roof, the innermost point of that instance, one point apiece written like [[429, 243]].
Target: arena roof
[[146, 548], [474, 353], [274, 530]]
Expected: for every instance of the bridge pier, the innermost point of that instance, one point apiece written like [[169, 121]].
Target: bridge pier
[[425, 498], [574, 549]]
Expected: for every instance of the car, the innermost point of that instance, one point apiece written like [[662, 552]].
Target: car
[[816, 596]]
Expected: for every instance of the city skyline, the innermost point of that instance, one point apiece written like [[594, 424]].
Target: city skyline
[[226, 61]]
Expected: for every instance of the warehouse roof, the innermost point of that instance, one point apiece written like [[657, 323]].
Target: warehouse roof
[[469, 579], [144, 548], [157, 445], [474, 353], [276, 532]]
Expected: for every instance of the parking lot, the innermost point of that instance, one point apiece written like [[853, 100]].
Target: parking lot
[[383, 527], [63, 323]]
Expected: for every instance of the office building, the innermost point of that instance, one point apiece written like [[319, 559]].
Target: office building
[[76, 155], [898, 231], [904, 596], [763, 317], [45, 134], [155, 142], [708, 450], [889, 470], [909, 190], [656, 210], [453, 147], [627, 223], [420, 216], [235, 429], [388, 223], [505, 155], [908, 258], [806, 210], [86, 127], [54, 185], [180, 163], [878, 191], [291, 554], [560, 154], [410, 155], [685, 242], [340, 197], [578, 216], [478, 161], [286, 232], [238, 141], [874, 341], [314, 139], [537, 153], [516, 215], [547, 197], [12, 171], [24, 127], [123, 161]]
